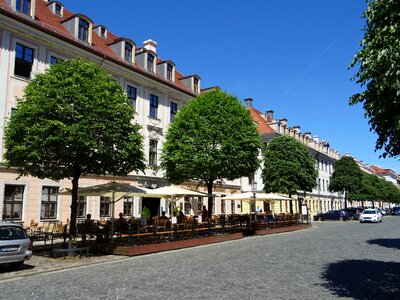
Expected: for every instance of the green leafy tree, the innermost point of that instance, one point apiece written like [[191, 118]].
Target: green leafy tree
[[379, 69], [346, 177], [367, 190], [73, 120], [288, 167], [212, 138], [389, 192]]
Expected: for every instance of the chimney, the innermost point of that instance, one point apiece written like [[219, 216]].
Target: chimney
[[283, 122], [248, 102], [150, 45], [296, 128], [315, 138], [269, 114], [307, 134]]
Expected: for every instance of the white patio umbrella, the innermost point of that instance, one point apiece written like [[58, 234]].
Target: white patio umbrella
[[115, 190], [249, 196], [171, 192]]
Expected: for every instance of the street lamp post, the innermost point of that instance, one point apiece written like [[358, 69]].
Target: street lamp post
[[254, 191]]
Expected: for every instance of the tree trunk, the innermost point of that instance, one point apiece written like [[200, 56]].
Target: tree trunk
[[290, 203], [74, 201], [345, 200], [210, 198]]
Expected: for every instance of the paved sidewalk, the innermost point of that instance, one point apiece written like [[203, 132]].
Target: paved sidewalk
[[39, 264]]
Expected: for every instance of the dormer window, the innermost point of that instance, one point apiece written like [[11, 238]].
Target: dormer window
[[170, 69], [80, 27], [57, 9], [150, 62], [128, 52], [103, 32], [196, 85], [166, 69], [23, 6], [83, 30], [192, 82]]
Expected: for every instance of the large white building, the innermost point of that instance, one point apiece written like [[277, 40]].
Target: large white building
[[35, 34]]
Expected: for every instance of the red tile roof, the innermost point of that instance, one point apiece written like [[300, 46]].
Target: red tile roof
[[51, 24], [263, 127], [381, 171]]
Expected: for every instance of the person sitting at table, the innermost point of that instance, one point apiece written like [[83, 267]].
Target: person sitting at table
[[162, 221], [204, 214], [120, 223], [163, 216], [181, 216], [88, 226]]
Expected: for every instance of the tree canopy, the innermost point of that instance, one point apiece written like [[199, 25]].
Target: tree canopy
[[346, 177], [73, 119], [212, 138], [378, 72], [288, 167], [374, 188]]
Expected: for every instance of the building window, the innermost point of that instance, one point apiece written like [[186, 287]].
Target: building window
[[128, 207], [132, 94], [153, 106], [232, 206], [169, 71], [152, 152], [54, 60], [23, 61], [83, 30], [105, 204], [49, 202], [103, 32], [150, 62], [23, 6], [13, 201], [81, 210], [173, 110], [128, 52], [58, 9], [196, 85]]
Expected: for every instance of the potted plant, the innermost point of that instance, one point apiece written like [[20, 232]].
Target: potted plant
[[144, 215]]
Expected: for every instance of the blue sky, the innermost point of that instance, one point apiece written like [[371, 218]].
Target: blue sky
[[289, 56]]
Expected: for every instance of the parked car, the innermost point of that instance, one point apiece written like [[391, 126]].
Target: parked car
[[396, 210], [354, 212], [334, 215], [371, 215], [15, 245]]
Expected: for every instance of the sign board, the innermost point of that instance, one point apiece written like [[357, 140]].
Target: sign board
[[304, 209]]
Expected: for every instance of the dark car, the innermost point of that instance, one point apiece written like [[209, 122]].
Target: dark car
[[334, 215], [353, 212], [396, 211]]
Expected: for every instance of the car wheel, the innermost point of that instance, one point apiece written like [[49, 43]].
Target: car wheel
[[361, 222]]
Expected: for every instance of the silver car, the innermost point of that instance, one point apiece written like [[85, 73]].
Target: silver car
[[15, 245]]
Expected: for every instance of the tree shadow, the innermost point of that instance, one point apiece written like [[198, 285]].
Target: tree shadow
[[389, 243], [363, 279]]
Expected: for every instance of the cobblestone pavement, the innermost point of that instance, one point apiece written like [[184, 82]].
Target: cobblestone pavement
[[332, 260]]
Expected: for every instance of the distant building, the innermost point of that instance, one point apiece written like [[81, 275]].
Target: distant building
[[320, 199]]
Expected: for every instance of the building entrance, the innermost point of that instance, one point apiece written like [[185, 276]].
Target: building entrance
[[153, 204]]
